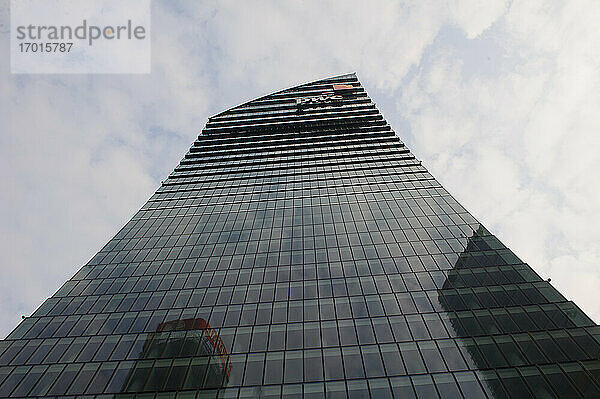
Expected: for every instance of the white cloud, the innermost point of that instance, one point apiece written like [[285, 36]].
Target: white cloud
[[474, 16], [519, 146]]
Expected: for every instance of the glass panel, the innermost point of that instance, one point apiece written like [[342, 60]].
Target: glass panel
[[469, 385], [586, 385], [336, 390], [514, 384], [432, 357], [424, 387], [46, 381], [402, 387], [293, 367], [492, 385], [447, 386], [380, 388], [536, 382], [313, 365], [559, 381], [27, 381], [83, 378], [353, 362], [274, 368], [412, 359], [65, 379], [254, 369], [333, 364]]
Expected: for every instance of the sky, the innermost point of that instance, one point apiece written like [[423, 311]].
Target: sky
[[500, 100]]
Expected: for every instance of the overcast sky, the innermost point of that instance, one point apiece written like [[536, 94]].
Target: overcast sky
[[501, 102]]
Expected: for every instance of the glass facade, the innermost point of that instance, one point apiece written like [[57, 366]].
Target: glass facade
[[299, 250]]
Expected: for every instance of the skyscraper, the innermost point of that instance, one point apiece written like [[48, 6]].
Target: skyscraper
[[300, 250]]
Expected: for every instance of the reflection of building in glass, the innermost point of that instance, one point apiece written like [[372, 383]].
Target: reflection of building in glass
[[500, 307], [328, 262], [179, 339]]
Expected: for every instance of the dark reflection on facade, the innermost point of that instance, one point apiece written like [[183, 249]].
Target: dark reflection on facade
[[499, 307], [181, 354]]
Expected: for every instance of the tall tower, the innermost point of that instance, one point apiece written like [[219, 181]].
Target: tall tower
[[299, 250]]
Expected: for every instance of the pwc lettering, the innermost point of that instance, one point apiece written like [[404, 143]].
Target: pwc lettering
[[316, 100]]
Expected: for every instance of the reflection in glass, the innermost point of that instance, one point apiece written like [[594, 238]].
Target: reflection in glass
[[179, 347]]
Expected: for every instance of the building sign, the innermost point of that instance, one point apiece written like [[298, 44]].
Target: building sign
[[324, 98]]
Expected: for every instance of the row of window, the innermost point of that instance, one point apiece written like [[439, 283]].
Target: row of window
[[297, 122], [187, 202], [406, 190], [405, 174], [286, 109], [313, 243], [282, 234], [322, 247], [306, 134], [433, 244], [306, 130], [410, 234], [274, 155], [447, 299], [257, 192], [417, 326], [337, 164], [266, 254], [224, 257], [296, 210], [315, 120], [391, 163], [284, 141], [471, 255], [388, 304], [315, 197], [388, 166], [287, 208], [209, 149], [351, 363], [380, 180], [435, 284], [350, 120], [543, 382], [295, 282], [411, 173], [334, 109], [290, 210], [415, 189], [238, 269], [558, 345], [291, 158]]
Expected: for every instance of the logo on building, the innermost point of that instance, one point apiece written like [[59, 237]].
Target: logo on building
[[328, 97], [322, 99]]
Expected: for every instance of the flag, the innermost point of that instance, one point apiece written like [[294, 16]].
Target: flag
[[342, 87]]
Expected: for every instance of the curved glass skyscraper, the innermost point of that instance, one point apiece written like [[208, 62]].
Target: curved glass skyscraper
[[299, 250]]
